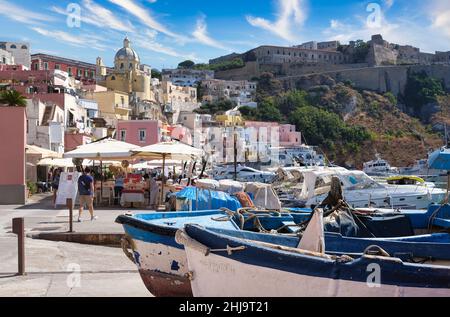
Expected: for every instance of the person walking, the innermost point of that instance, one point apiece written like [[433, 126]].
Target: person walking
[[154, 192], [86, 192], [118, 187], [55, 184]]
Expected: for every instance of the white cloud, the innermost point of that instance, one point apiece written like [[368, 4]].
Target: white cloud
[[291, 13], [389, 3], [20, 14], [87, 40], [106, 17], [98, 16], [201, 35], [439, 12], [147, 41], [144, 16]]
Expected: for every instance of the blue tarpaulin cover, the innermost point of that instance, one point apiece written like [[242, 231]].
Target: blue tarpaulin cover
[[203, 199]]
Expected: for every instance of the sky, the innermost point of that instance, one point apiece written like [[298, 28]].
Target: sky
[[166, 32]]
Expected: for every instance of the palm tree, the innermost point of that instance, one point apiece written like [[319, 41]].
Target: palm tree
[[13, 98]]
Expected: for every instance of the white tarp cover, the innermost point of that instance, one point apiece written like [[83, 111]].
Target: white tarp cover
[[313, 238], [264, 196], [207, 184], [230, 186]]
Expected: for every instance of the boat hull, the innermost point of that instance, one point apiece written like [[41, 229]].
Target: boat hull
[[166, 285], [219, 276], [223, 266]]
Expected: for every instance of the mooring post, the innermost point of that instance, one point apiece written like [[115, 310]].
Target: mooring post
[[69, 203], [18, 225]]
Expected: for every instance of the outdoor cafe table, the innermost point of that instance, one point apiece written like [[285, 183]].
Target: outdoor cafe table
[[132, 196]]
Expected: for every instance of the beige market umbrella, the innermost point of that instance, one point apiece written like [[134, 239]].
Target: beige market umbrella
[[168, 150], [33, 149]]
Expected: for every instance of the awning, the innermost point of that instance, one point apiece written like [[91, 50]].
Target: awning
[[36, 150]]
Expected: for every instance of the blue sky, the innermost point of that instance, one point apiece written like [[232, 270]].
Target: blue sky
[[165, 32]]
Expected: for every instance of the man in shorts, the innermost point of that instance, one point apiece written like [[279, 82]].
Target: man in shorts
[[86, 191]]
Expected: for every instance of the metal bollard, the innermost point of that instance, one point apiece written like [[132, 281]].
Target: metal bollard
[[69, 203], [18, 226]]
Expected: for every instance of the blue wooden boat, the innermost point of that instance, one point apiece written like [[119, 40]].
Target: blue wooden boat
[[162, 262], [225, 266]]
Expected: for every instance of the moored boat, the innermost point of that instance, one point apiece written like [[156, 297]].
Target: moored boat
[[221, 266]]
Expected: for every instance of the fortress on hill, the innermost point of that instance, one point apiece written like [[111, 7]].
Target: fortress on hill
[[376, 64]]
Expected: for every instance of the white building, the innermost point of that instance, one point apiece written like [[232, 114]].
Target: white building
[[45, 125], [6, 57], [186, 77], [241, 92], [20, 52]]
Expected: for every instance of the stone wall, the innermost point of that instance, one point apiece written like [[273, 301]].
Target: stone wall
[[380, 79]]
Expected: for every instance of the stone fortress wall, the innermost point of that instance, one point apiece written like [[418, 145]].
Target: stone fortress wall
[[385, 68]]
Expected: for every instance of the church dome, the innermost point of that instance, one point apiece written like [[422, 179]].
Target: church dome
[[126, 53]]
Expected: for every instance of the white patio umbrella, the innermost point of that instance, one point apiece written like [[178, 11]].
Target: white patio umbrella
[[168, 150], [67, 162], [108, 149]]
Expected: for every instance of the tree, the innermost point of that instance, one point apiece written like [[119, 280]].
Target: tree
[[361, 51], [268, 86], [421, 90], [290, 101], [268, 111], [186, 64], [156, 74], [13, 98]]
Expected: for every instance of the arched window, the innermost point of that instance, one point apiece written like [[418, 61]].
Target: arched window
[[13, 46], [121, 65], [24, 47], [3, 46], [131, 65], [113, 78]]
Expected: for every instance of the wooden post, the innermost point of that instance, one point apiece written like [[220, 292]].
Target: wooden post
[[235, 156], [163, 179], [69, 203], [19, 229]]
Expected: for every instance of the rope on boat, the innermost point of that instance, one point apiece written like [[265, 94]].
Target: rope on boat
[[127, 244]]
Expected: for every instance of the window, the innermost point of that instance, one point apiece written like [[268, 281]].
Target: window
[[45, 66], [79, 72], [142, 135], [24, 47], [123, 135], [69, 70], [121, 65], [13, 46], [57, 66], [122, 100]]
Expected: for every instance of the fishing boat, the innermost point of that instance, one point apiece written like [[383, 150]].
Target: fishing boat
[[160, 260], [150, 239], [225, 266]]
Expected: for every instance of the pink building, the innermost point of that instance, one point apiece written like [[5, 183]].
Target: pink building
[[43, 84], [13, 138], [181, 133], [288, 136], [74, 140], [140, 132]]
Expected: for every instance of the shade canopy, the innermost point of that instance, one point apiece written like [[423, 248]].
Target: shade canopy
[[67, 162], [156, 164], [169, 151], [108, 149], [36, 150]]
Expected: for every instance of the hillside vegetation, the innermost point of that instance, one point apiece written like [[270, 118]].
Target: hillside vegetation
[[351, 125]]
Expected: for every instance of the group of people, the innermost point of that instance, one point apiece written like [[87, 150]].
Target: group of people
[[151, 187]]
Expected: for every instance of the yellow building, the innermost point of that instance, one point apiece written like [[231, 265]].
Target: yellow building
[[128, 75], [230, 120], [112, 105]]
